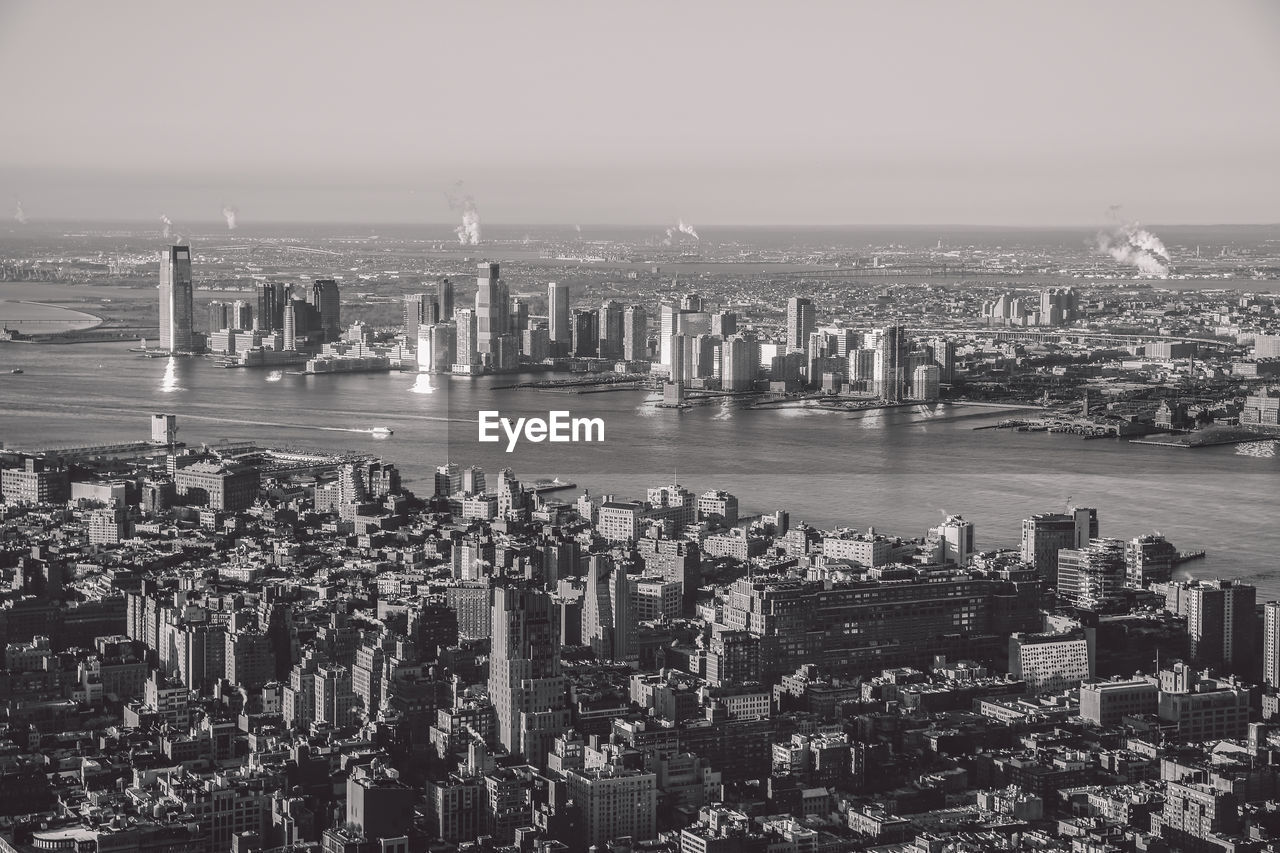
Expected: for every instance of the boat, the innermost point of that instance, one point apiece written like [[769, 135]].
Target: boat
[[274, 376], [381, 432], [16, 370]]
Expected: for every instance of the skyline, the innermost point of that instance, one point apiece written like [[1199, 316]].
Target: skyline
[[636, 115]]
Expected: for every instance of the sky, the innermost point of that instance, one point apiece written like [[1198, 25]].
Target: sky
[[754, 113]]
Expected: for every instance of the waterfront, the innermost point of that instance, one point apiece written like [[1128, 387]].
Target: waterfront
[[898, 470], [35, 318]]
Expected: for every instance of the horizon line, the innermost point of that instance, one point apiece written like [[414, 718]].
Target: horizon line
[[35, 222]]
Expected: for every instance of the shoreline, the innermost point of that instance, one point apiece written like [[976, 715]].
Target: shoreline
[[80, 321]]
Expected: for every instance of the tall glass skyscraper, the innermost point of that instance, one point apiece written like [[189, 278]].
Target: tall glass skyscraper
[[491, 307], [559, 331], [176, 312]]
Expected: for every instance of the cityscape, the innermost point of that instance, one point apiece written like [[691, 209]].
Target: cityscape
[[328, 528]]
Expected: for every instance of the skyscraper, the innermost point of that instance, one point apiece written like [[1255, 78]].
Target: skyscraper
[[560, 333], [272, 297], [1044, 535], [219, 314], [635, 334], [1271, 644], [724, 323], [420, 309], [891, 362], [800, 322], [612, 329], [444, 298], [176, 311], [491, 307], [328, 305], [925, 382], [467, 351], [738, 363], [608, 613], [585, 339], [668, 314], [525, 685], [240, 315], [1221, 621]]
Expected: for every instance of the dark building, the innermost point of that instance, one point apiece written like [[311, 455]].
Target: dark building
[[585, 327], [328, 305]]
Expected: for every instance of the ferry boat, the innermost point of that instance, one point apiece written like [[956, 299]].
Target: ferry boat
[[381, 432], [16, 370]]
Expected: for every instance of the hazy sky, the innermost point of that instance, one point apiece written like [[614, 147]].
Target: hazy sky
[[747, 112]]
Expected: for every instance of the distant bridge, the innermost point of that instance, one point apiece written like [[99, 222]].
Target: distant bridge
[[1068, 335]]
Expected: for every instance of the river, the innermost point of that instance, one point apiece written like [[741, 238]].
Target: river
[[898, 470]]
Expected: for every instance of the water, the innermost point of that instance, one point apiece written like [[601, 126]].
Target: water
[[896, 470]]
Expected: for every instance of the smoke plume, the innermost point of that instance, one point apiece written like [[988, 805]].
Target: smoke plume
[[167, 224], [681, 227], [229, 213], [460, 201], [20, 215], [1134, 246]]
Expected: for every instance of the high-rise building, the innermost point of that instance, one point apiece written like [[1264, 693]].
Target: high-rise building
[[420, 309], [436, 348], [272, 298], [891, 360], [925, 382], [1044, 535], [944, 355], [468, 352], [612, 329], [738, 363], [448, 479], [535, 342], [585, 327], [608, 613], [558, 328], [517, 316], [327, 303], [668, 318], [219, 315], [525, 685], [1271, 644], [1221, 622], [1149, 559], [861, 365], [615, 803], [491, 307], [240, 315], [1093, 576], [954, 540], [444, 298], [635, 334], [800, 323], [724, 323], [1057, 306], [176, 310]]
